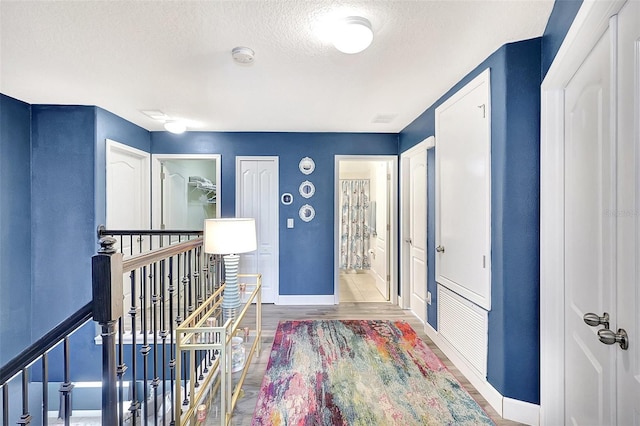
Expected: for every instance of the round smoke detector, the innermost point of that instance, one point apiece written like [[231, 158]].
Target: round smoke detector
[[242, 55]]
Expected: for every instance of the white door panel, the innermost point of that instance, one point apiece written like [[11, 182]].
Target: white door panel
[[418, 233], [257, 197], [463, 197], [628, 213], [588, 239], [128, 191], [601, 226], [381, 240]]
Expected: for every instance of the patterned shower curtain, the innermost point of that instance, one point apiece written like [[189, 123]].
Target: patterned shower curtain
[[354, 228]]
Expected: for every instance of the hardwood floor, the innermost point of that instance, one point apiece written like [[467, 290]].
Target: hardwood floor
[[272, 314]]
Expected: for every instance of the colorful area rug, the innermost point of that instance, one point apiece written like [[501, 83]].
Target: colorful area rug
[[359, 373]]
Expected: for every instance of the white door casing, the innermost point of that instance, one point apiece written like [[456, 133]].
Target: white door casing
[[176, 178], [463, 192], [128, 191], [609, 227], [127, 200], [257, 196], [391, 255]]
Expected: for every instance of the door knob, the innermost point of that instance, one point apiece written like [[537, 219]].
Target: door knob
[[608, 337], [440, 249], [594, 320], [408, 240]]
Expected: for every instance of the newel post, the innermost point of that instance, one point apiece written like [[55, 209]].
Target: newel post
[[107, 309]]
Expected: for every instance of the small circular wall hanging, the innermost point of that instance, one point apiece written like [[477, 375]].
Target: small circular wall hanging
[[307, 213], [307, 165], [307, 189]]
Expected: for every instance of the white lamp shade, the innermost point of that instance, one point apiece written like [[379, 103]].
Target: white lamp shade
[[229, 235]]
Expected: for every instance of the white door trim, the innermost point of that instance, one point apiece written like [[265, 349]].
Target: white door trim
[[393, 220], [156, 159], [111, 146], [590, 22], [424, 145]]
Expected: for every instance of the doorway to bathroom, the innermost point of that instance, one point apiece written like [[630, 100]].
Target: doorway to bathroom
[[365, 230]]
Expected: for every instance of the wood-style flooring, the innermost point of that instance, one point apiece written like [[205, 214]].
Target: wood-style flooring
[[272, 314]]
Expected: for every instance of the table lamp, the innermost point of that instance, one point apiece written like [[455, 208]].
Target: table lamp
[[230, 237]]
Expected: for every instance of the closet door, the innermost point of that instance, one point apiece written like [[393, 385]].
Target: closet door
[[257, 197], [463, 192]]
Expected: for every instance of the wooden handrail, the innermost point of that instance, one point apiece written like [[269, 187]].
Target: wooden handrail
[[159, 254]]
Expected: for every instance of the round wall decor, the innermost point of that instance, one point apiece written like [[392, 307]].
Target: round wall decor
[[307, 165], [307, 189], [307, 213]]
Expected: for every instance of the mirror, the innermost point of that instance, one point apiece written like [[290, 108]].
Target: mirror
[[307, 189], [307, 165], [307, 213]]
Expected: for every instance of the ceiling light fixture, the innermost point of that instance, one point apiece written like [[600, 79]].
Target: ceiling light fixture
[[176, 127], [353, 35]]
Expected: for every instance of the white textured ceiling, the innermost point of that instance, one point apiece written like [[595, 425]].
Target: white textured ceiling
[[175, 56]]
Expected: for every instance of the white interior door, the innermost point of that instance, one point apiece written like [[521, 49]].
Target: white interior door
[[589, 239], [174, 195], [463, 192], [591, 145], [416, 232], [380, 261], [257, 197], [628, 209], [128, 192]]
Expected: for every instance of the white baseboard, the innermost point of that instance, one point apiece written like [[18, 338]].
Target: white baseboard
[[493, 397], [328, 299], [520, 411], [508, 408]]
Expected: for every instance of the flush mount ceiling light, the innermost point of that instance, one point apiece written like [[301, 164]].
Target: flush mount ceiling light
[[176, 127], [353, 35], [170, 124]]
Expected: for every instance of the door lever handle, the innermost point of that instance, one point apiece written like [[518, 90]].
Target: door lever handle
[[440, 249], [594, 320], [608, 337]]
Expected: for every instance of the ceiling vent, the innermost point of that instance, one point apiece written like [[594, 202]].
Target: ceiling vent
[[384, 118]]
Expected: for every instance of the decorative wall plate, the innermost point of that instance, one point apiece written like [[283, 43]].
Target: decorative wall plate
[[307, 165], [307, 213], [307, 189]]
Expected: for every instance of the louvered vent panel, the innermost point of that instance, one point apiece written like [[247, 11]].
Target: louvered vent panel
[[464, 325]]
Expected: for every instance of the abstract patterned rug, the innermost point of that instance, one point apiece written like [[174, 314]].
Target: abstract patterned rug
[[359, 373]]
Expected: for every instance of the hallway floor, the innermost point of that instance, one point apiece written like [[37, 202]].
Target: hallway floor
[[358, 287]]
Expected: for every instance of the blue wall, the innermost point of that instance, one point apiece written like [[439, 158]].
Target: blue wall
[[516, 72], [513, 367], [308, 246], [52, 196], [62, 211], [15, 227], [110, 126], [53, 170], [562, 15]]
